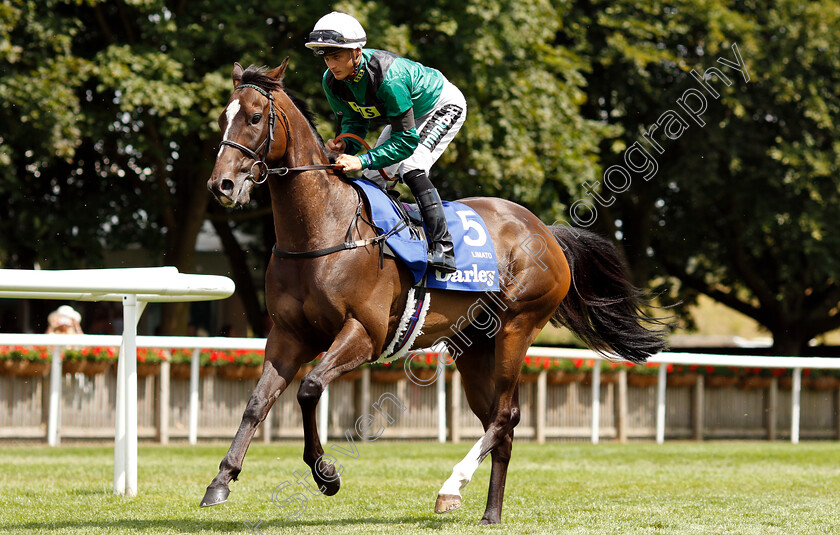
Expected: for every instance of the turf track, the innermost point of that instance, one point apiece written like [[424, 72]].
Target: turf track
[[681, 487]]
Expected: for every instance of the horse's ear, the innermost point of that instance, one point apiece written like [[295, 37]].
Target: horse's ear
[[277, 73], [237, 74]]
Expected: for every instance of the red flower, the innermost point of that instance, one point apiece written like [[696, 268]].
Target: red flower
[[577, 363], [141, 358], [670, 368], [710, 369], [527, 361], [546, 364]]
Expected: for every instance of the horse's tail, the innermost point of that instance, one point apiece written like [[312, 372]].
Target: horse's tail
[[602, 307]]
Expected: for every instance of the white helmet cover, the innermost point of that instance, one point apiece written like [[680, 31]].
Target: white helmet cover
[[336, 30]]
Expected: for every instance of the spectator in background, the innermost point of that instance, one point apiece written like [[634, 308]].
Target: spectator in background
[[64, 320]]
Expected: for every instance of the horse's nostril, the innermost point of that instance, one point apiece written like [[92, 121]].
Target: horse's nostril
[[227, 185]]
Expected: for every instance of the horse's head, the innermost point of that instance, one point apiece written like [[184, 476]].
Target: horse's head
[[253, 134]]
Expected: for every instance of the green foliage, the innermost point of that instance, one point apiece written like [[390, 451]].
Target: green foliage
[[740, 209], [114, 107]]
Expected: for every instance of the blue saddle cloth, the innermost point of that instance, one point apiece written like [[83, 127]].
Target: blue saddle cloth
[[475, 256]]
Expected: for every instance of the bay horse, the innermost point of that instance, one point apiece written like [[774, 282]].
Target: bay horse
[[347, 304]]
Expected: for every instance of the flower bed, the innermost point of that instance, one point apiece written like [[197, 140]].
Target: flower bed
[[242, 364], [25, 361]]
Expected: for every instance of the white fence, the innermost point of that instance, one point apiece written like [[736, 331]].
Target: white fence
[[797, 364], [134, 287]]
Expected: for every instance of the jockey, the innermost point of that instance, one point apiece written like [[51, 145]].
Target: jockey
[[422, 110]]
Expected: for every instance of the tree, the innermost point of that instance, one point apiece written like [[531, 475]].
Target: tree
[[116, 102], [114, 105], [740, 208], [524, 138]]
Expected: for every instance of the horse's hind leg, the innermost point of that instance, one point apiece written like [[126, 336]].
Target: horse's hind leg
[[476, 367], [498, 474], [276, 375], [351, 348], [511, 343]]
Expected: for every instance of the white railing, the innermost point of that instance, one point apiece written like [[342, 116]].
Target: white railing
[[797, 364], [134, 287]]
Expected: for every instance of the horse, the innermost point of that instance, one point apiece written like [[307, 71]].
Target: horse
[[346, 302]]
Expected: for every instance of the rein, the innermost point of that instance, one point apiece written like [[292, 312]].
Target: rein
[[259, 160], [348, 243], [264, 172]]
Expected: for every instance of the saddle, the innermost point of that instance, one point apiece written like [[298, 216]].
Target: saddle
[[405, 241]]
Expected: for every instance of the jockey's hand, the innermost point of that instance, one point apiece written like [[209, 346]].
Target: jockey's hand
[[336, 146], [349, 162]]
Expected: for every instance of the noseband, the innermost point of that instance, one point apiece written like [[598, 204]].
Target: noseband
[[265, 146]]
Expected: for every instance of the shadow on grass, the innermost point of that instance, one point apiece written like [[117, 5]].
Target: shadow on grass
[[198, 526]]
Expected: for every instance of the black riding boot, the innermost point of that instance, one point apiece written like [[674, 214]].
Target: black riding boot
[[441, 251]]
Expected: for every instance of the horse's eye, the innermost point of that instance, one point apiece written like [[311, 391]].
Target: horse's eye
[[256, 118]]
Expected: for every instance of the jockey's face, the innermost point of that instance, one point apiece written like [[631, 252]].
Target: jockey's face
[[343, 63]]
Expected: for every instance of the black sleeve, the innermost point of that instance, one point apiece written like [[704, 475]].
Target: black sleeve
[[403, 122]]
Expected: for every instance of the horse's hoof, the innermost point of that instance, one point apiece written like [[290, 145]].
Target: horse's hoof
[[215, 496], [487, 522], [447, 503], [329, 482]]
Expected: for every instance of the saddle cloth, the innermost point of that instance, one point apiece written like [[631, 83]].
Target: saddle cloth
[[475, 256]]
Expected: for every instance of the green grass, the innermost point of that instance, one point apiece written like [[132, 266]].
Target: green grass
[[680, 487]]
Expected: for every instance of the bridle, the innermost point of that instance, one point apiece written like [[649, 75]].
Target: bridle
[[265, 147], [265, 171]]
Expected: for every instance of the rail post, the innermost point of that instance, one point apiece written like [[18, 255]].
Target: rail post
[[54, 417], [660, 404], [596, 401]]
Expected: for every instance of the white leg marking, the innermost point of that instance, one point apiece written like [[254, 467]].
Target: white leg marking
[[463, 471], [230, 113]]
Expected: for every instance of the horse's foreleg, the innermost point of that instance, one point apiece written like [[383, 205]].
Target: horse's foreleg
[[351, 348], [276, 375]]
